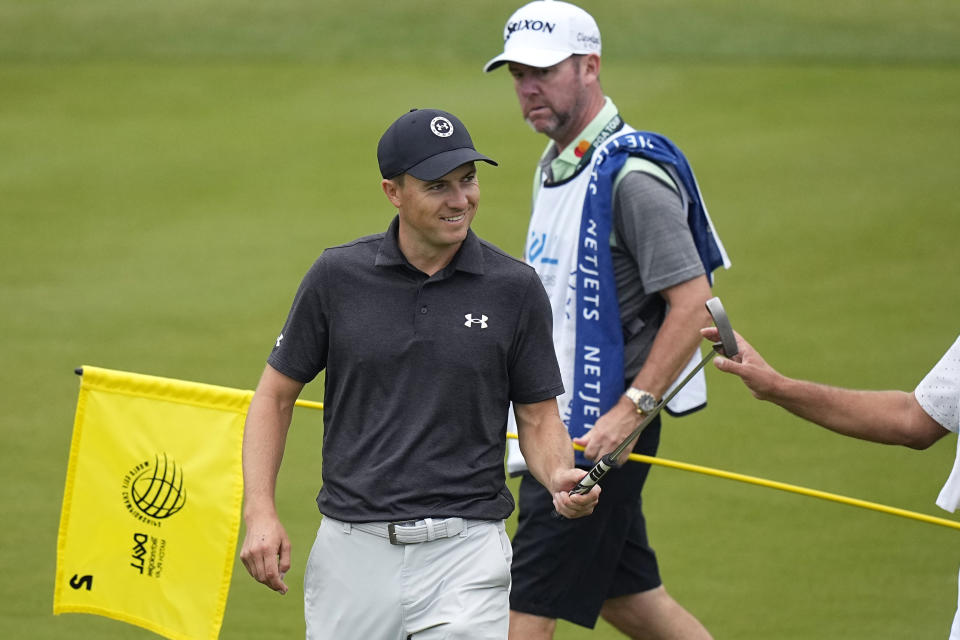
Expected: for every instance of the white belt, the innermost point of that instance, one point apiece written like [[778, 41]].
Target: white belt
[[413, 531]]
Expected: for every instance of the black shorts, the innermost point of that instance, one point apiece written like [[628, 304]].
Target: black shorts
[[568, 568]]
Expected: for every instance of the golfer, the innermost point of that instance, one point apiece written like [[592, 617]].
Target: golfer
[[620, 238], [915, 420], [426, 333]]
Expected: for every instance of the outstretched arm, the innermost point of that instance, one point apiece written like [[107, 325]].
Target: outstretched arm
[[887, 417], [548, 452], [266, 547]]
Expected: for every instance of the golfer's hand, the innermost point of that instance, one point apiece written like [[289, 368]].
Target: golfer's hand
[[266, 552], [576, 506], [609, 431]]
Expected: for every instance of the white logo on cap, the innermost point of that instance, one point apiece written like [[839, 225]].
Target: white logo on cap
[[441, 127]]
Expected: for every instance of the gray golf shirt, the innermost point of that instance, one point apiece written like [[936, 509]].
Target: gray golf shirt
[[420, 373]]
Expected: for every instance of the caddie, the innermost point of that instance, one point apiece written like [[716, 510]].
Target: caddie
[[621, 239]]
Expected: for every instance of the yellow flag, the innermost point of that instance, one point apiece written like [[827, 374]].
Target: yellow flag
[[151, 507]]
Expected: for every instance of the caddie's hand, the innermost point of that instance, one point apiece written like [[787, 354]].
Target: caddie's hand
[[576, 506], [266, 552], [609, 431]]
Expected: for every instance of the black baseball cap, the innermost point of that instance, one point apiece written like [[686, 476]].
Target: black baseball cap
[[426, 143]]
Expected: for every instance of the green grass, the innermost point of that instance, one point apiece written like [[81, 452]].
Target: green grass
[[169, 171]]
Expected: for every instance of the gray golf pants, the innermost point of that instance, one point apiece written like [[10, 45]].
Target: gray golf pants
[[359, 585]]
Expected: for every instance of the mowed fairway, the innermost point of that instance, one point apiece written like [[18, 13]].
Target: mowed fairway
[[168, 172]]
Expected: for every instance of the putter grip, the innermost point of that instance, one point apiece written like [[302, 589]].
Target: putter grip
[[599, 470], [586, 483]]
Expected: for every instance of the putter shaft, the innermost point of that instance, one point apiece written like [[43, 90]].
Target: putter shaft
[[727, 346], [609, 461]]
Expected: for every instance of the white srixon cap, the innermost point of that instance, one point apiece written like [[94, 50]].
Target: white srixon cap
[[545, 32]]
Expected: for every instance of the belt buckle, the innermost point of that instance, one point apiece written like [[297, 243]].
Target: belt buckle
[[392, 530]]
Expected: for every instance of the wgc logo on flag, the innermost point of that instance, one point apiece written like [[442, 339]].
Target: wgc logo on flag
[[154, 491]]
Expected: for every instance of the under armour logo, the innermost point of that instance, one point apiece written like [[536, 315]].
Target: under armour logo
[[441, 127], [279, 339], [482, 321]]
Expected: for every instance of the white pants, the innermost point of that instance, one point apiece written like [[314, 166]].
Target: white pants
[[955, 628], [358, 585]]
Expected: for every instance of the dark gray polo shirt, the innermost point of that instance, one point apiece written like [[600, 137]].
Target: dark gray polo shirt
[[420, 372]]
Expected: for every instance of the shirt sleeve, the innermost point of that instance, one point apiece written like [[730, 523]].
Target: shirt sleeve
[[939, 391], [301, 348], [650, 219]]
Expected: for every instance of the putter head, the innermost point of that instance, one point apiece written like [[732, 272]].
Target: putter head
[[728, 342]]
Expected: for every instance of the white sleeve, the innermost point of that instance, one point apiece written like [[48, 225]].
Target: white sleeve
[[939, 395], [939, 392]]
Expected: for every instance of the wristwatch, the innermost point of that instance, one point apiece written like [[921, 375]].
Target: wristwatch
[[644, 401]]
